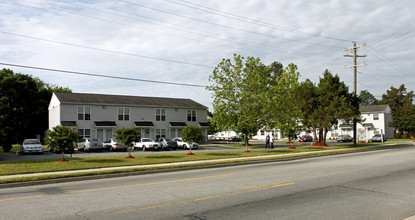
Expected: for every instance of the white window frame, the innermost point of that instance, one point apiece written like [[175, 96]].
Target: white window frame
[[123, 114], [160, 133], [160, 114], [84, 113], [84, 133], [191, 114], [375, 117]]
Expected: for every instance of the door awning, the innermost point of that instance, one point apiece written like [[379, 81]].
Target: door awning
[[105, 124]]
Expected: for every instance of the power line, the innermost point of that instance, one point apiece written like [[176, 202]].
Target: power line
[[272, 48], [226, 26], [106, 50], [101, 75], [252, 21]]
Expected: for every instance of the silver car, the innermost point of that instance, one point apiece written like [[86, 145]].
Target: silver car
[[344, 138], [31, 146], [90, 144], [113, 145]]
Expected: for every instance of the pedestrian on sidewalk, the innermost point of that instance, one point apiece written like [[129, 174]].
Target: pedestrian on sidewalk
[[267, 142], [271, 140]]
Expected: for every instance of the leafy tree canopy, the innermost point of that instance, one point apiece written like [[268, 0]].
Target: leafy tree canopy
[[24, 104], [366, 98], [128, 135], [192, 134], [249, 95], [61, 137]]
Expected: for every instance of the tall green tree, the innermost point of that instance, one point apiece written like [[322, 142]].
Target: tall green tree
[[400, 102], [367, 98], [328, 102], [61, 137], [24, 104], [249, 95]]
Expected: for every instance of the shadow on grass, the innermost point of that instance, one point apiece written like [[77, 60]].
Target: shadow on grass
[[164, 156], [222, 154], [100, 160]]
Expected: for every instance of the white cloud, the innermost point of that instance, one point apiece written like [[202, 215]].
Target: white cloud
[[196, 42]]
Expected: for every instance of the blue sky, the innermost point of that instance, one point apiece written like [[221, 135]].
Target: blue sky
[[182, 41]]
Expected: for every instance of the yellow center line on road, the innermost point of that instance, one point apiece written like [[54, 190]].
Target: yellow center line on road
[[119, 187], [257, 188]]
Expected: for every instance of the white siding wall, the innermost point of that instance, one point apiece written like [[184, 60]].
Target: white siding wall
[[69, 112]]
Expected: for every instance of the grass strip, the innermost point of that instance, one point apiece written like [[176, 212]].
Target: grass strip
[[75, 163]]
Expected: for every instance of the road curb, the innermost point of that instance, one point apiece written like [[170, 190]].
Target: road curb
[[175, 169]]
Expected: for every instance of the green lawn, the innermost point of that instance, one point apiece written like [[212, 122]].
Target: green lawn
[[16, 147], [48, 165]]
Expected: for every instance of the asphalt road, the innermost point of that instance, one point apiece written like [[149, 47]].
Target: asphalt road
[[367, 185]]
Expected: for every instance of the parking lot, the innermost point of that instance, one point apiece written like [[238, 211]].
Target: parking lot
[[202, 148]]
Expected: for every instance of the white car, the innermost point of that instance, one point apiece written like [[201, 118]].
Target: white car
[[90, 144], [113, 144], [146, 144], [31, 146], [185, 145]]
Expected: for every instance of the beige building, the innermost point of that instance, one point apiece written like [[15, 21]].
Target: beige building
[[99, 115]]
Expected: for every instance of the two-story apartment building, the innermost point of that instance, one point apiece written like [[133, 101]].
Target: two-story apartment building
[[99, 115]]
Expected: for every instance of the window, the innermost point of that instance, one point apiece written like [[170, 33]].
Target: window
[[160, 114], [85, 133], [262, 132], [123, 114], [375, 117], [160, 133], [191, 115], [84, 113]]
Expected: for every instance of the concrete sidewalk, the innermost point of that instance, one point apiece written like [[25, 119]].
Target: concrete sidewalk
[[198, 162]]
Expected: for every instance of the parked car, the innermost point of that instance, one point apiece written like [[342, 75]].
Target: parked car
[[305, 138], [235, 139], [378, 138], [344, 138], [31, 146], [90, 144], [167, 144], [185, 145], [113, 145], [70, 150], [146, 144]]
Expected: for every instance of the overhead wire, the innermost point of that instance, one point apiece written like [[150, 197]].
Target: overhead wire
[[101, 75], [249, 20], [226, 26]]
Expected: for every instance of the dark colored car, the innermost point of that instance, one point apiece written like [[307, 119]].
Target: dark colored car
[[305, 138], [67, 150], [167, 144], [344, 138], [378, 138], [235, 139]]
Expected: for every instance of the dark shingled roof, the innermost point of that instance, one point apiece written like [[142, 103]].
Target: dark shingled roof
[[101, 99], [373, 108]]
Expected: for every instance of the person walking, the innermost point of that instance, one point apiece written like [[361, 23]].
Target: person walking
[[267, 142], [271, 141]]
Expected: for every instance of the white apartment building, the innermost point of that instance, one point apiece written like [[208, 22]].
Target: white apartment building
[[99, 115], [376, 120]]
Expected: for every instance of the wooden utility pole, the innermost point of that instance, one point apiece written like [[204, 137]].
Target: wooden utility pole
[[355, 65]]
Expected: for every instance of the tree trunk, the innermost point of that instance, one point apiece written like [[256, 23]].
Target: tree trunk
[[63, 154], [320, 135], [325, 135], [315, 134]]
